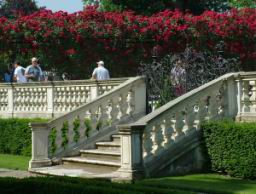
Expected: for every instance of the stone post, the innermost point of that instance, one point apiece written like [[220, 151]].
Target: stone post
[[232, 101], [239, 94], [10, 101], [50, 100], [40, 156], [131, 152], [94, 91], [140, 98]]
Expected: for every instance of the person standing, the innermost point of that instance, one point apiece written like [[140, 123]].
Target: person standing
[[19, 73], [33, 72], [7, 76], [178, 78], [100, 73]]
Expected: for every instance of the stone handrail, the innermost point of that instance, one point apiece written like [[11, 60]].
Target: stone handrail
[[65, 132], [155, 133], [50, 99]]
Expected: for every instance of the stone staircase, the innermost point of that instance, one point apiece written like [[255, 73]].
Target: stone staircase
[[165, 142]]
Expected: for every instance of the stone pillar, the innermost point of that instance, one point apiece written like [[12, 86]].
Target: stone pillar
[[131, 152], [232, 101], [50, 100], [10, 101], [140, 98], [40, 156], [239, 98], [94, 91]]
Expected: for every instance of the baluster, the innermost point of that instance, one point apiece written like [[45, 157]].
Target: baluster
[[40, 100], [73, 97], [70, 132], [245, 97], [82, 127], [158, 138], [114, 110], [58, 137], [122, 106], [93, 118], [59, 100], [202, 112], [213, 106], [45, 99], [130, 102], [147, 143], [83, 96], [64, 98], [103, 115], [221, 100], [168, 131], [88, 93], [179, 124], [190, 118], [253, 97]]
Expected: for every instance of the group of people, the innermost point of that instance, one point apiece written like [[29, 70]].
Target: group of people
[[19, 74], [34, 73]]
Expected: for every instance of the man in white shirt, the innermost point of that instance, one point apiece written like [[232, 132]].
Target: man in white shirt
[[19, 73], [100, 73]]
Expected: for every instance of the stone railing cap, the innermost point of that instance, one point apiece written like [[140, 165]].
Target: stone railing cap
[[178, 100]]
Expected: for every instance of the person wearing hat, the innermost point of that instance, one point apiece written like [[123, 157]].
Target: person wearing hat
[[100, 73], [33, 72]]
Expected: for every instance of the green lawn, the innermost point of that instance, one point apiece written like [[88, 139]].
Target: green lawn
[[14, 162], [204, 183], [212, 183]]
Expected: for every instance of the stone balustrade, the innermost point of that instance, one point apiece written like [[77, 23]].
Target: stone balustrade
[[50, 99], [143, 142], [66, 132]]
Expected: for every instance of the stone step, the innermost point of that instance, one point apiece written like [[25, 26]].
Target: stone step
[[75, 171], [108, 146], [116, 138], [91, 163], [108, 155]]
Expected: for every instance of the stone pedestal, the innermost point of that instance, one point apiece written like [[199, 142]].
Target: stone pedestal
[[40, 156], [131, 152]]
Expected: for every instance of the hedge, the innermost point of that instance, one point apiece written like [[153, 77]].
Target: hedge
[[63, 185], [231, 147], [15, 136]]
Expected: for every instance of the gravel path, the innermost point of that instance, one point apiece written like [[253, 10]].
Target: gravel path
[[16, 173]]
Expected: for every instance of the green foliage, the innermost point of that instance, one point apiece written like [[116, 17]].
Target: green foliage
[[88, 126], [99, 125], [149, 7], [231, 147], [64, 135], [76, 125], [15, 136], [52, 138], [243, 3], [68, 185], [13, 8]]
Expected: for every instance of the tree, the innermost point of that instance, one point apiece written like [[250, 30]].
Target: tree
[[14, 8], [149, 7], [243, 3]]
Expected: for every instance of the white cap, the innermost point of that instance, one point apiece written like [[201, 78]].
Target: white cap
[[100, 63], [34, 59]]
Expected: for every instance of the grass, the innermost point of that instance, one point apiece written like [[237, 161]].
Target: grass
[[203, 183], [14, 162], [210, 183]]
